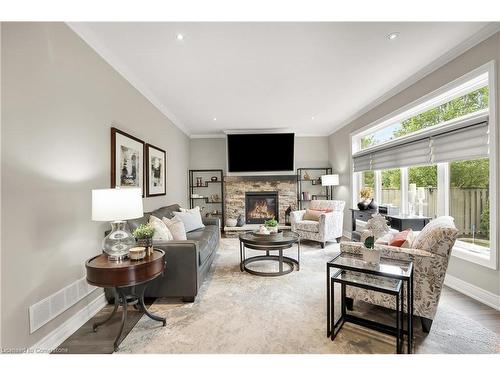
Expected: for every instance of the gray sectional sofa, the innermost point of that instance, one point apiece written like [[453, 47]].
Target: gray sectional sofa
[[187, 262]]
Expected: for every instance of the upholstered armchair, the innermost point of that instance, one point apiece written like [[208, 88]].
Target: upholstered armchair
[[327, 228], [430, 253]]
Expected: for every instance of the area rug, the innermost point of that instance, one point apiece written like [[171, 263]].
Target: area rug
[[236, 312]]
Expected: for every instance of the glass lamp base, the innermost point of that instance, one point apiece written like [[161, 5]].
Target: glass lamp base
[[117, 243]]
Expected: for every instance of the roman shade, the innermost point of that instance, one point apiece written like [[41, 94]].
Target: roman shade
[[459, 139]]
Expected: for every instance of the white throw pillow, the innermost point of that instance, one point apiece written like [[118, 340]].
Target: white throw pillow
[[162, 233], [176, 227], [195, 209], [191, 219]]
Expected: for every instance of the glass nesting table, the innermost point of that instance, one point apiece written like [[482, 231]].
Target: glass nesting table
[[392, 277]]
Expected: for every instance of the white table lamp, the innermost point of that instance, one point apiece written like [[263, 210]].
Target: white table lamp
[[330, 180], [117, 205]]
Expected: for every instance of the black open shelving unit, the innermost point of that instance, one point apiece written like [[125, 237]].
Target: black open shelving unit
[[327, 191], [206, 174]]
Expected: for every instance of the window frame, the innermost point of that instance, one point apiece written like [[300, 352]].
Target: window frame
[[431, 100]]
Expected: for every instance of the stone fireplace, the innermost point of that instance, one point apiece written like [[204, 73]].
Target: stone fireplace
[[261, 206], [237, 187]]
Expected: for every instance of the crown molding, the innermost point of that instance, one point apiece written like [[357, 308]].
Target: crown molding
[[444, 59], [91, 39], [259, 131]]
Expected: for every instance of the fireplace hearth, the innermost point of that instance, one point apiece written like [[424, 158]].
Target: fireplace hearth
[[261, 206]]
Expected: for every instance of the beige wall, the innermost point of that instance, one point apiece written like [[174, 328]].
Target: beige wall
[[209, 153], [340, 143], [59, 100]]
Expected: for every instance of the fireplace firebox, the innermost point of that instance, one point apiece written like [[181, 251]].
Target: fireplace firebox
[[261, 206]]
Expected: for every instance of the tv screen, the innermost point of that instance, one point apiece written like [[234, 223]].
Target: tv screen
[[260, 152]]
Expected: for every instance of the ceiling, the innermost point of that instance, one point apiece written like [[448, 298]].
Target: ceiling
[[310, 78]]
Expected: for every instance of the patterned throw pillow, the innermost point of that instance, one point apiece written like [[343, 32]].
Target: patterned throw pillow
[[162, 233], [176, 227], [312, 215]]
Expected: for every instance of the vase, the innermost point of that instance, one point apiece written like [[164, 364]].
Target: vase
[[373, 205], [147, 243], [231, 222], [363, 205], [371, 256]]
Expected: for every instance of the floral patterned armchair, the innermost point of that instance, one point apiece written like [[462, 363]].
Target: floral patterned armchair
[[430, 253], [329, 226]]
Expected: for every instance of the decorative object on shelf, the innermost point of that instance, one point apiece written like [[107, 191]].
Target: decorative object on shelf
[[366, 195], [306, 196], [194, 195], [144, 237], [263, 230], [156, 171], [288, 211], [127, 156], [213, 178], [421, 198], [137, 253], [199, 181], [214, 198], [412, 195], [271, 225], [231, 222], [117, 205], [306, 176], [240, 221]]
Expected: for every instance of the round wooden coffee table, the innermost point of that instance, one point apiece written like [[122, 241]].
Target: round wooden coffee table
[[269, 243], [122, 276]]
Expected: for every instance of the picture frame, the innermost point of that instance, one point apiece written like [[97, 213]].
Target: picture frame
[[156, 171], [127, 160]]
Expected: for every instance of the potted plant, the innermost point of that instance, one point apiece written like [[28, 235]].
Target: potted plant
[[367, 202], [272, 225], [370, 254], [144, 236], [376, 227]]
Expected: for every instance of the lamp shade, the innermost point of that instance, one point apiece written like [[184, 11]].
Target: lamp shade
[[116, 204], [330, 180]]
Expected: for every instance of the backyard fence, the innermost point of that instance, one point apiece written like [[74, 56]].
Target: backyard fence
[[466, 206]]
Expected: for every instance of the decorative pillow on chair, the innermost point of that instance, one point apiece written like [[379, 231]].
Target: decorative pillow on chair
[[176, 227], [191, 218], [312, 215], [162, 233], [402, 239]]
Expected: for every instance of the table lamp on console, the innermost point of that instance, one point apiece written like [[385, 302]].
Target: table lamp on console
[[116, 206]]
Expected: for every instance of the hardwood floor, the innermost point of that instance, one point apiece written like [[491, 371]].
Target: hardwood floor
[[85, 341]]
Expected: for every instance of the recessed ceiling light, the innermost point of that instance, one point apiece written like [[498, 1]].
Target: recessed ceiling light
[[393, 36], [312, 118], [215, 118], [180, 37]]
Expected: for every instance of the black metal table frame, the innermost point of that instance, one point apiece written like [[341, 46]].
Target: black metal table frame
[[344, 317], [125, 296], [244, 261], [408, 280]]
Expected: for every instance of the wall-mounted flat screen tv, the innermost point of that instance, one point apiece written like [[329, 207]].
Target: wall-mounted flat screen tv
[[260, 152]]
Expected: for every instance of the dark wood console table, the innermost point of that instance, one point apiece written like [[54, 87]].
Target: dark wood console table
[[129, 278], [399, 222]]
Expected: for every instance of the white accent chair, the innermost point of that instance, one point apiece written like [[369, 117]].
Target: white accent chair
[[329, 226]]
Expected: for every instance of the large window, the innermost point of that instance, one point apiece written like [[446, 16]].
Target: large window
[[391, 187], [436, 157], [463, 105], [469, 202], [426, 179]]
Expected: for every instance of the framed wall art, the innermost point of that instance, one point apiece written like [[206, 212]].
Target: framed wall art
[[156, 171], [127, 160]]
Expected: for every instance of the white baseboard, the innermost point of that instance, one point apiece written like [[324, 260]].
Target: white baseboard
[[473, 291], [70, 326]]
